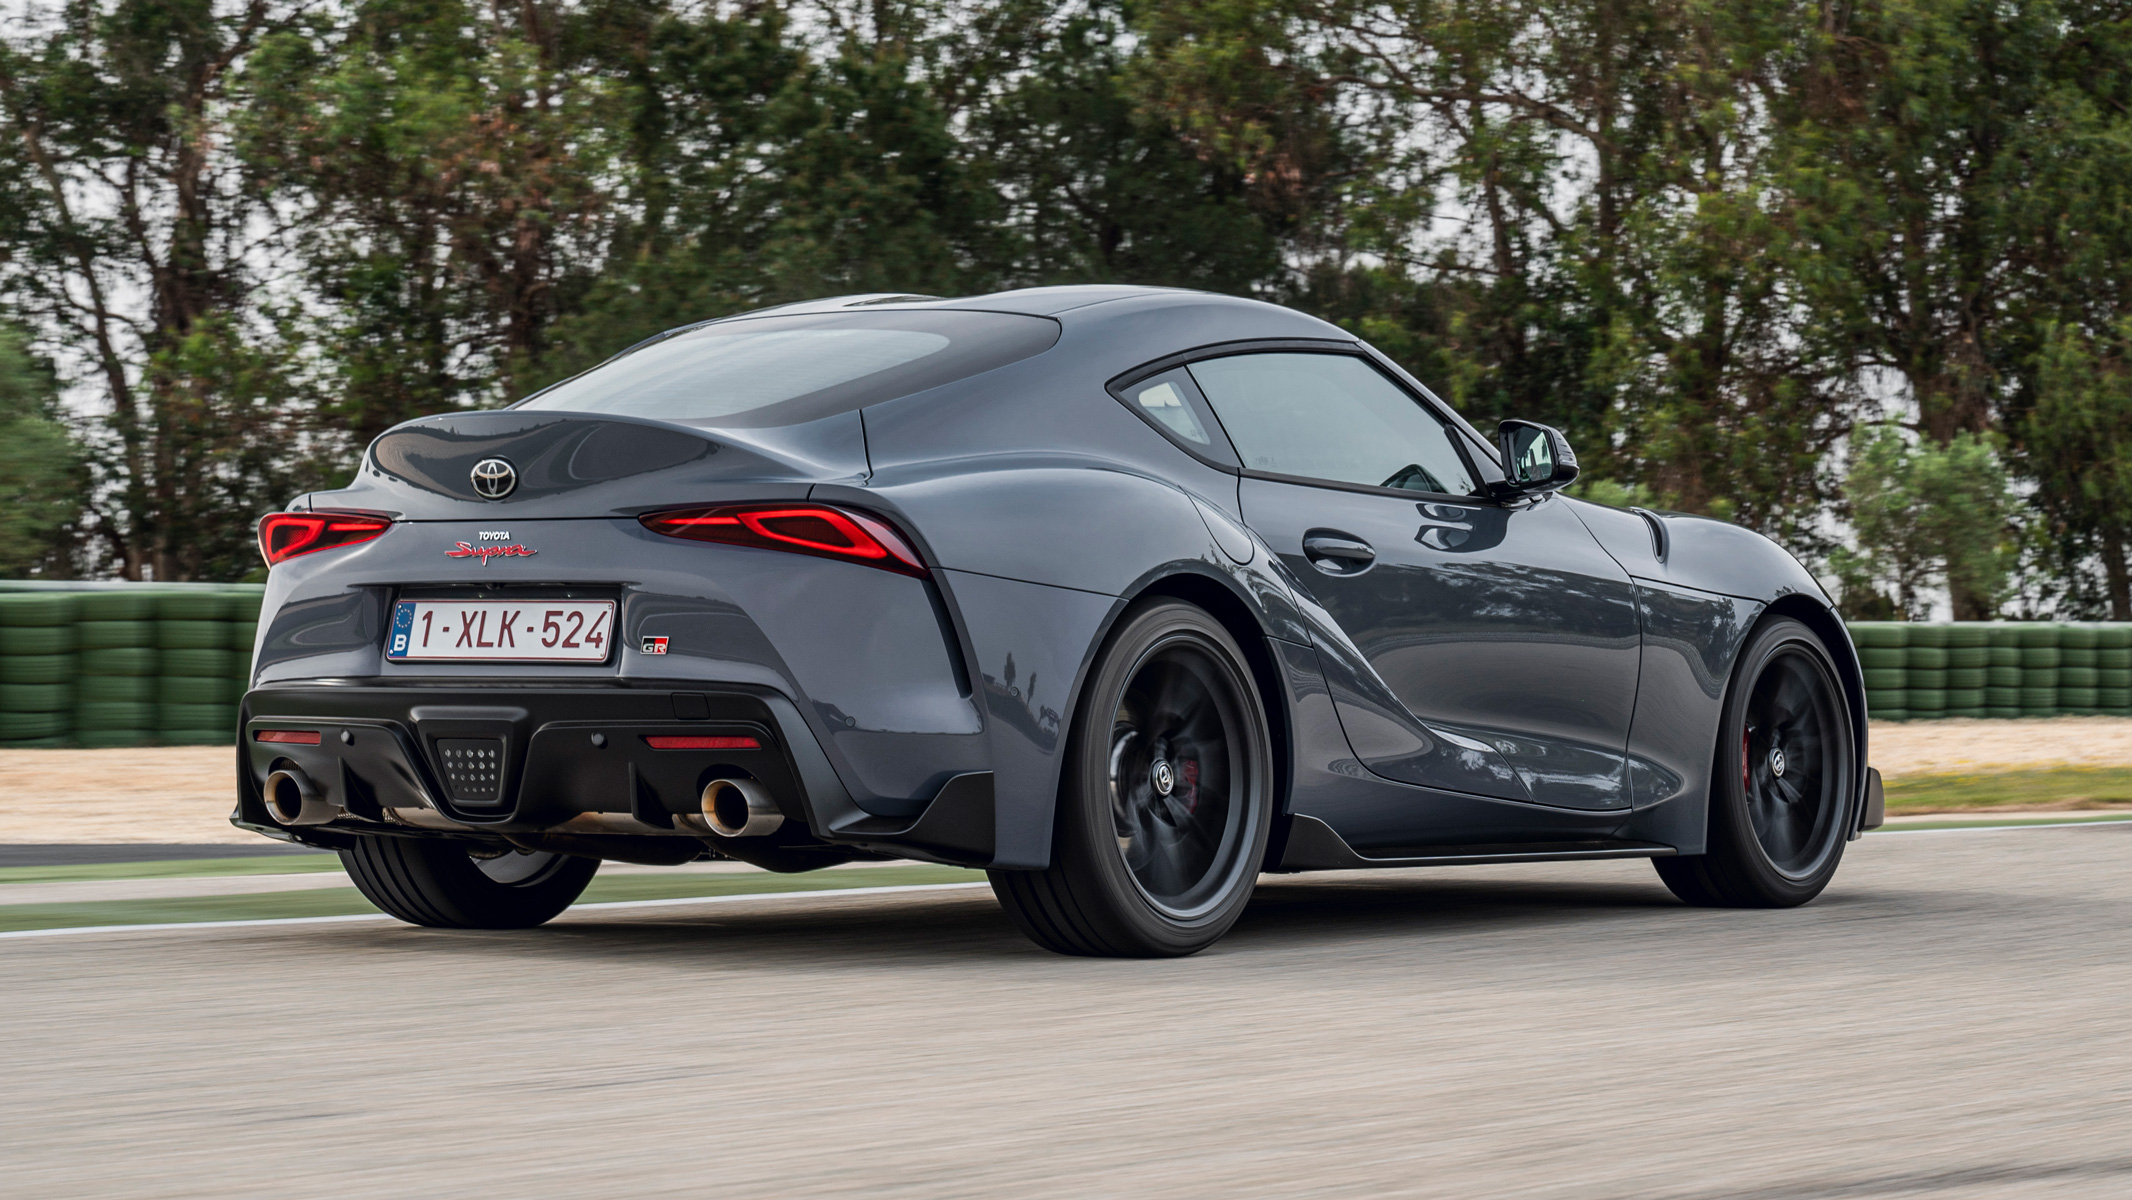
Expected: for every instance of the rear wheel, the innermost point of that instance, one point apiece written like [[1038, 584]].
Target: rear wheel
[[1783, 779], [1163, 811], [457, 885]]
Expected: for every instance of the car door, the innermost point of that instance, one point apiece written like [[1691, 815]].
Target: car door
[[1500, 627]]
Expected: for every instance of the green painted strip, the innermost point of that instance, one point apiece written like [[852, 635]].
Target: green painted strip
[[329, 902], [277, 864]]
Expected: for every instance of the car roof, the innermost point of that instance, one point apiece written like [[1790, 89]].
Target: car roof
[[1058, 302]]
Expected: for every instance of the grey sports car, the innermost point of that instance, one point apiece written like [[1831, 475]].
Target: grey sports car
[[1123, 594]]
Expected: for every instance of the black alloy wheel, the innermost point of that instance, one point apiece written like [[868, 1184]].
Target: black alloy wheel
[[1784, 780], [1164, 810], [452, 884]]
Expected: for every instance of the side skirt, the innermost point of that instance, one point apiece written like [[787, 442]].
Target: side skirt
[[1315, 846]]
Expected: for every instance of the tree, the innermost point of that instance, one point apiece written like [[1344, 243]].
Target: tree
[[41, 470], [1926, 514], [131, 240], [2079, 443]]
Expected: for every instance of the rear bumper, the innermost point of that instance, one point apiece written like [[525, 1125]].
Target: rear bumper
[[577, 760]]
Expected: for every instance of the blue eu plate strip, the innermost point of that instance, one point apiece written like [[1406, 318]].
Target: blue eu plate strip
[[403, 628]]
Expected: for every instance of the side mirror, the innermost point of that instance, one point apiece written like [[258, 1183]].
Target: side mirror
[[1536, 458]]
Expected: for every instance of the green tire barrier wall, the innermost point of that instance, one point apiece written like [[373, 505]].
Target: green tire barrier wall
[[1994, 669], [140, 665], [147, 665]]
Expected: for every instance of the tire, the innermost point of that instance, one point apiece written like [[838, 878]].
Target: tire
[[198, 663], [133, 661], [174, 718], [1169, 711], [116, 635], [36, 697], [36, 639], [117, 605], [36, 668], [188, 689], [192, 606], [113, 714], [1782, 782], [127, 689], [439, 883], [37, 608], [24, 726], [190, 635]]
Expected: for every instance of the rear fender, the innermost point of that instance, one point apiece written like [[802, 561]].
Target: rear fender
[[1036, 562]]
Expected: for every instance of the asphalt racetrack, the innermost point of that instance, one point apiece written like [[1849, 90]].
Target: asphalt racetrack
[[1954, 1018]]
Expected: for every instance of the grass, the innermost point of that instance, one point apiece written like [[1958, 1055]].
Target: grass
[[2062, 788], [334, 902], [274, 864]]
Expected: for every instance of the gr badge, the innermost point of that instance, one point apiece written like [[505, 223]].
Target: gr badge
[[654, 645]]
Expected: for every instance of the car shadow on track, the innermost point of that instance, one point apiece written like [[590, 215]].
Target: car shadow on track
[[919, 927]]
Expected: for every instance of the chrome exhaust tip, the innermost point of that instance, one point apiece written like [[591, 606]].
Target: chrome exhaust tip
[[739, 808], [293, 801]]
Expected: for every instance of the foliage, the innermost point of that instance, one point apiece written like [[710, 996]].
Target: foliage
[[1716, 243], [1927, 514], [40, 466]]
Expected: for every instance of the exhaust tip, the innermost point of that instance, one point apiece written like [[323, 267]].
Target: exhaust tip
[[740, 808], [293, 801]]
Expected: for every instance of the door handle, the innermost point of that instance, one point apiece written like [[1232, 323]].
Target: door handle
[[1338, 554]]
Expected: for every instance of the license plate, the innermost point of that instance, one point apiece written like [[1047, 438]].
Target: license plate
[[499, 631]]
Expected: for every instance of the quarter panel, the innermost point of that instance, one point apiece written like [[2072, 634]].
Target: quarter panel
[[1032, 645]]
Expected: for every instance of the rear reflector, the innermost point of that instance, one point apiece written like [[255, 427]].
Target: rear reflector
[[283, 536], [702, 743], [795, 528], [293, 737]]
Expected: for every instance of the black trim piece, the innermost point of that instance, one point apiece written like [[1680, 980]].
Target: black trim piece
[[1367, 490], [1315, 846], [959, 826]]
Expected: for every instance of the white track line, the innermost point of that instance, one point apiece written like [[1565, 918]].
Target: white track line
[[2105, 823], [609, 906]]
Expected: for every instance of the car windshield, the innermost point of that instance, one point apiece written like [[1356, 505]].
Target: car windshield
[[765, 371]]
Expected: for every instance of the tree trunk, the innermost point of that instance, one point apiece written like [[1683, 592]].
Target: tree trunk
[[2113, 567]]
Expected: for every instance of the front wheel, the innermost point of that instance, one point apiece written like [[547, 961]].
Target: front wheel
[[460, 885], [1782, 783], [1164, 808]]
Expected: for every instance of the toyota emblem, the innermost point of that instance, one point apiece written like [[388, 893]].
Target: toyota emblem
[[494, 478]]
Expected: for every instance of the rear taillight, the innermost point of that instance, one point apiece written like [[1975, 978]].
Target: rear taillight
[[798, 528], [285, 535]]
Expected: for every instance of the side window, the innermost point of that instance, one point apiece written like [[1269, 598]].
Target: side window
[[1331, 417], [1172, 403]]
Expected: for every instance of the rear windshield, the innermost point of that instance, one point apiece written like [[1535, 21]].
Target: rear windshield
[[767, 371]]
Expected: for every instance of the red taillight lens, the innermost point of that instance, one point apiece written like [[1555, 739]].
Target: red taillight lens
[[799, 528], [283, 536], [701, 743], [292, 737]]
